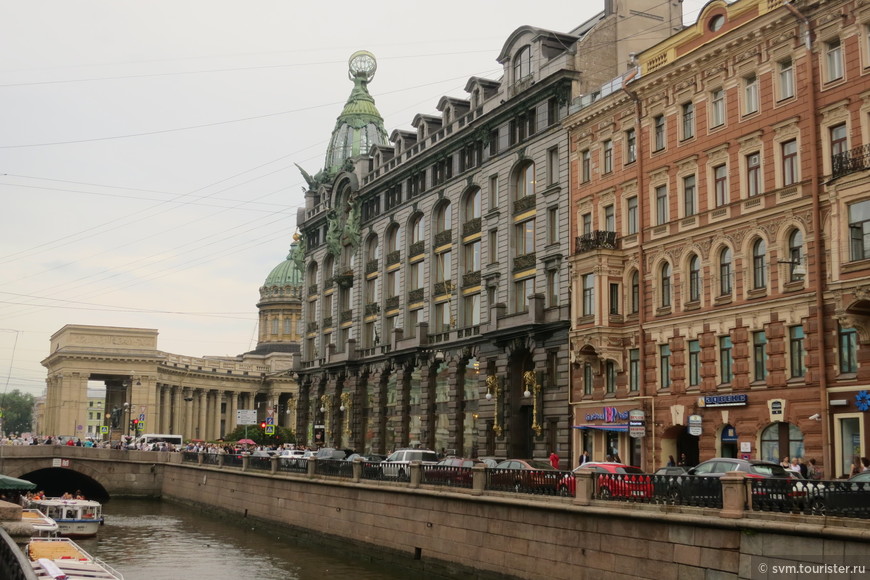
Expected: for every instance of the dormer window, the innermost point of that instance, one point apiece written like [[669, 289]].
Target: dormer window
[[523, 63]]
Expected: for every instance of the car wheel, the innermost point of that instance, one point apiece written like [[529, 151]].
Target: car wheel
[[604, 493]]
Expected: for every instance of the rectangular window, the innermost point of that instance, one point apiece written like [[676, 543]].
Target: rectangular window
[[585, 166], [834, 60], [587, 379], [610, 377], [796, 351], [848, 350], [634, 369], [630, 146], [587, 223], [726, 363], [553, 166], [443, 266], [720, 184], [553, 225], [552, 288], [859, 230], [664, 366], [493, 193], [631, 212], [471, 310], [415, 276], [694, 363], [614, 298], [493, 246], [789, 162], [472, 257], [689, 199], [658, 133], [839, 141], [688, 115], [717, 108], [786, 79], [607, 152], [753, 174], [442, 317], [522, 290], [759, 355], [750, 94], [661, 204], [588, 281], [609, 218], [525, 237], [413, 321]]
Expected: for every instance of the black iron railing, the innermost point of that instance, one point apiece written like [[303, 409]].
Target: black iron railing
[[856, 159], [596, 240]]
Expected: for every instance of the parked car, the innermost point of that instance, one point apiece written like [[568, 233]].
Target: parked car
[[671, 470], [329, 453], [613, 480], [525, 475], [451, 471], [293, 457], [849, 497], [777, 486], [397, 464]]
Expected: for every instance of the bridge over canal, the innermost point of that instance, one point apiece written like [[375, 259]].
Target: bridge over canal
[[525, 536]]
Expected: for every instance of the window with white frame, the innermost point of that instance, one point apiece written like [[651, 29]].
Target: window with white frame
[[796, 351], [609, 218], [694, 278], [717, 108], [658, 132], [720, 184], [725, 282], [753, 174], [859, 230], [607, 153], [833, 60], [634, 369], [525, 237], [688, 118], [795, 256], [661, 194], [665, 285], [690, 202], [522, 289], [694, 363], [664, 366], [585, 165], [630, 146], [789, 162], [750, 94], [759, 355], [610, 377], [634, 300], [631, 214], [523, 63], [786, 79], [586, 221], [726, 360], [759, 264], [588, 294]]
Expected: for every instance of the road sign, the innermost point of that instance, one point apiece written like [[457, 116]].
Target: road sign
[[270, 420], [141, 416], [246, 416], [270, 429], [104, 429]]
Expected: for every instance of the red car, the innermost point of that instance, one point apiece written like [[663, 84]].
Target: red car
[[451, 471], [526, 476], [612, 480]]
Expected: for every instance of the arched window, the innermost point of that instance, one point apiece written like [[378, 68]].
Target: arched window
[[666, 284], [759, 267], [634, 300], [443, 218], [392, 239], [328, 266], [795, 256], [373, 249], [525, 181], [523, 63], [694, 279], [472, 205], [417, 229], [725, 272]]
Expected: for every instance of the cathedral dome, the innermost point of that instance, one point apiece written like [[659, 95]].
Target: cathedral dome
[[286, 273]]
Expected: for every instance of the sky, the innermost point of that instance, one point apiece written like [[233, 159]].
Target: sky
[[147, 148]]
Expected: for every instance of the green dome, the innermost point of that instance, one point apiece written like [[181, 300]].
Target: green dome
[[286, 273], [360, 125]]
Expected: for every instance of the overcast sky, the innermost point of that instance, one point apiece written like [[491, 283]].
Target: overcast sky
[[147, 148]]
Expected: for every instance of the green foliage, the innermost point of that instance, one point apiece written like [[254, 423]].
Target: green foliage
[[257, 434], [17, 412]]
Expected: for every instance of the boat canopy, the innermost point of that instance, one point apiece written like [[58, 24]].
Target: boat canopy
[[13, 483]]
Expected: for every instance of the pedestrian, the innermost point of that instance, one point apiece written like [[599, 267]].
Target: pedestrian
[[813, 472], [804, 469], [554, 460], [671, 461], [683, 462], [785, 463], [865, 464], [794, 465], [584, 457]]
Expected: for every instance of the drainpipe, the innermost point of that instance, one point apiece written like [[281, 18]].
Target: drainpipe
[[827, 455], [641, 314]]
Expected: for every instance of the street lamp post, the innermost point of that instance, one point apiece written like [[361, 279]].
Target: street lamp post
[[127, 412]]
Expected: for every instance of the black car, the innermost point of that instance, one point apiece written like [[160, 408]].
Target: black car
[[771, 483]]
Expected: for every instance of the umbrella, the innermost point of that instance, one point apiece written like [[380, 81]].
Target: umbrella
[[13, 483], [247, 442], [197, 440]]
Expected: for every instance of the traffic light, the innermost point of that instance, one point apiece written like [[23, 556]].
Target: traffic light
[[263, 425], [135, 424]]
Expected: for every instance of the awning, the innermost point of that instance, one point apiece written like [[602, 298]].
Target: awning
[[13, 483], [603, 427]]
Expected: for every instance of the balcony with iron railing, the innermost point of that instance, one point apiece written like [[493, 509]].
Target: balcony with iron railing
[[597, 240], [851, 161]]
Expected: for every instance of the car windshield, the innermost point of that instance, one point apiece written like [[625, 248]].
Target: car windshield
[[768, 470], [543, 465]]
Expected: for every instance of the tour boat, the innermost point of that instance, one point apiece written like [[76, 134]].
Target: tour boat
[[43, 525], [63, 559], [76, 518]]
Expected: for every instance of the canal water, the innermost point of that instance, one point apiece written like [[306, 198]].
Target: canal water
[[158, 540]]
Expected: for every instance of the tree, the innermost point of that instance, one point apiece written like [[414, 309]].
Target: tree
[[257, 433], [17, 408]]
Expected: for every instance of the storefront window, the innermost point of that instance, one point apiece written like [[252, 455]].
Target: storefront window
[[780, 440]]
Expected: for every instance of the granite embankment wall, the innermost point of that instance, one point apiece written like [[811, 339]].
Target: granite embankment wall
[[504, 535]]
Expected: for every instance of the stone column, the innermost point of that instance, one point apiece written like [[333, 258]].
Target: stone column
[[403, 376], [350, 427], [202, 420], [232, 407], [177, 403], [218, 400], [166, 409], [188, 430]]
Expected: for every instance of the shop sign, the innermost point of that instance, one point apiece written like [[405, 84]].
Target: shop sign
[[636, 423], [777, 409], [729, 435], [608, 415], [726, 400], [695, 425]]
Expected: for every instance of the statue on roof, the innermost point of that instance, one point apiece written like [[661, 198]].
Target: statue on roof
[[297, 252]]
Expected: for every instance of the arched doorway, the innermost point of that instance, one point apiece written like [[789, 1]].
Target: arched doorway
[[779, 440], [521, 435], [676, 441]]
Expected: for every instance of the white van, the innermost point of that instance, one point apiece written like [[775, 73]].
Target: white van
[[147, 441]]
